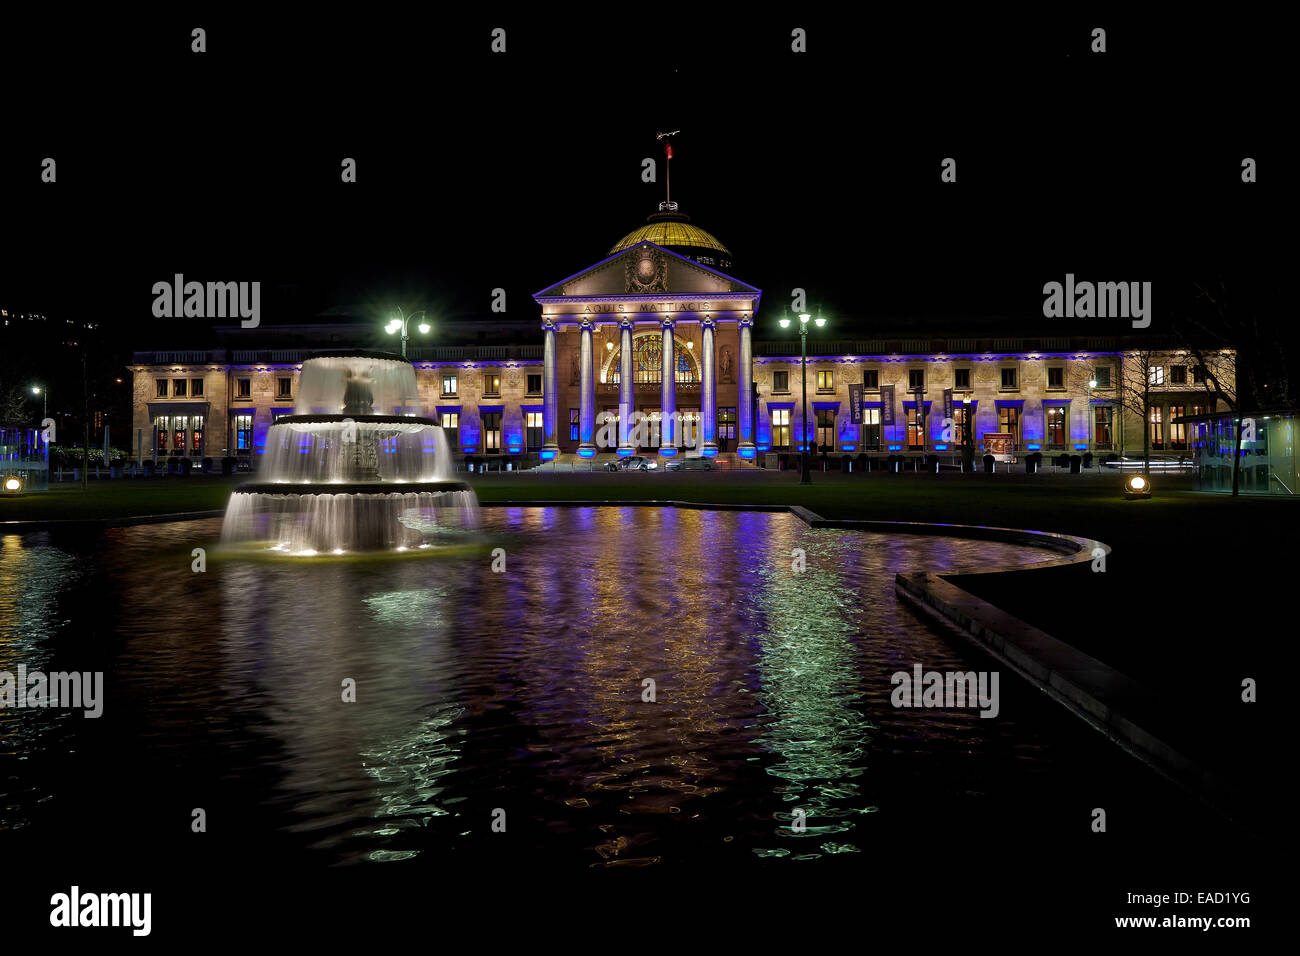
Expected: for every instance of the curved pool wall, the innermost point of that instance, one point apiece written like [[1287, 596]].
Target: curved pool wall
[[773, 692]]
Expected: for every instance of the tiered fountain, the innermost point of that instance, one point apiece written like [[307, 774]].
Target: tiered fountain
[[353, 469]]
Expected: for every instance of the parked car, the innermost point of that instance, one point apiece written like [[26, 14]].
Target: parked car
[[695, 463], [634, 463]]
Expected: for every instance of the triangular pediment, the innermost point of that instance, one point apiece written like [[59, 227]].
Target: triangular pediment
[[646, 269]]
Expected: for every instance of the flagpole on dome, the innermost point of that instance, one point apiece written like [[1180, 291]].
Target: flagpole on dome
[[668, 167]]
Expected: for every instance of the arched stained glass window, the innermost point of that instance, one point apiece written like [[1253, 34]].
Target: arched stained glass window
[[647, 361]]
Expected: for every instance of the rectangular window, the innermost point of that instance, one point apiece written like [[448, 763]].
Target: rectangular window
[[160, 388], [780, 428], [534, 384], [871, 429], [1056, 426], [492, 385], [916, 427], [196, 387], [1177, 429], [244, 433], [915, 379], [449, 383], [534, 429], [574, 424], [179, 387], [180, 425], [961, 379], [196, 434], [1008, 380], [1101, 375], [871, 380], [283, 387], [825, 380], [726, 424], [1156, 375], [1198, 375], [1178, 375], [160, 425], [781, 381], [1103, 421], [826, 429], [1055, 376], [1157, 427], [492, 433], [959, 422], [1009, 421], [243, 388], [450, 422]]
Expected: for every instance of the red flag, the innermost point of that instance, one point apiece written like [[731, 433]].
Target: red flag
[[668, 150]]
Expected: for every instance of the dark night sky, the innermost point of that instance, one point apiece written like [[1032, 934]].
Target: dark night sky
[[478, 171]]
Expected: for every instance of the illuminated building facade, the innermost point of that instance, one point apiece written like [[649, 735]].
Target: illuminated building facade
[[653, 350]]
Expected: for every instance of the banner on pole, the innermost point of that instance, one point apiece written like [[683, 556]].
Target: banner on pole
[[886, 404], [855, 404]]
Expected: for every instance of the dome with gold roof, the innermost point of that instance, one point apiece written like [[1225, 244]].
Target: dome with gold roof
[[673, 230]]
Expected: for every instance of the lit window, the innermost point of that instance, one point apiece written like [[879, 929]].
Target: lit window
[[780, 428], [1156, 375], [449, 384], [491, 384], [825, 380], [534, 429]]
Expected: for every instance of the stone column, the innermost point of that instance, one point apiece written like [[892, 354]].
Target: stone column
[[549, 390], [587, 396], [667, 391], [745, 447], [626, 386], [708, 390]]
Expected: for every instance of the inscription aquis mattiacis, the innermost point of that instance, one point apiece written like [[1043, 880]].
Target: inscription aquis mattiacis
[[649, 307]]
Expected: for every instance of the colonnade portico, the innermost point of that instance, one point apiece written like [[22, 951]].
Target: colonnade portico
[[627, 302]]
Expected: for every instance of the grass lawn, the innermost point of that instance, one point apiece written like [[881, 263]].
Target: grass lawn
[[1190, 603]]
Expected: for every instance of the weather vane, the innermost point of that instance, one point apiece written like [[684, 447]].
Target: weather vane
[[668, 168]]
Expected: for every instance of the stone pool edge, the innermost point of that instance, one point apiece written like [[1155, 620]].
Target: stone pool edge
[[1102, 696], [1105, 698]]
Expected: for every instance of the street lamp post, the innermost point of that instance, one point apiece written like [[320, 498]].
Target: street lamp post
[[967, 435], [401, 322], [40, 390], [1089, 418], [805, 475]]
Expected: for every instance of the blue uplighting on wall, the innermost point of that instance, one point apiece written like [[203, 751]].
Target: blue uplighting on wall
[[1083, 447], [668, 452], [709, 452], [626, 452], [749, 452], [586, 453], [546, 455], [1033, 446], [940, 447]]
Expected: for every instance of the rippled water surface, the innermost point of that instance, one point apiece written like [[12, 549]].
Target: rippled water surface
[[513, 694]]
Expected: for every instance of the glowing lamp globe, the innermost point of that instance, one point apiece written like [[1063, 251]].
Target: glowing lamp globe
[[1137, 486]]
